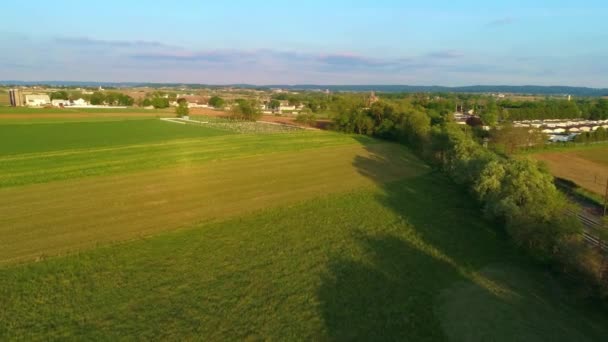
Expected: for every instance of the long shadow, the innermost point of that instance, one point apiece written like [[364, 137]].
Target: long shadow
[[381, 299], [394, 295], [444, 215]]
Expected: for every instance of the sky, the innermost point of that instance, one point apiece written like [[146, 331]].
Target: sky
[[450, 43]]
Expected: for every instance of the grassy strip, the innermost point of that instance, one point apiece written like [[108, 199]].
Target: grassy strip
[[16, 139], [563, 147], [67, 110]]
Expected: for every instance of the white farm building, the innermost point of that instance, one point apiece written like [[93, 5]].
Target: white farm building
[[37, 100]]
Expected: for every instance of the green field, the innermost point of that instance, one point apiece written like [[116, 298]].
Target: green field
[[157, 231], [4, 110], [4, 99]]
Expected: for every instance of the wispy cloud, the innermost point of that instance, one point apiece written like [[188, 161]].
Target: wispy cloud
[[140, 60], [501, 22], [350, 61], [227, 56], [89, 42], [445, 54]]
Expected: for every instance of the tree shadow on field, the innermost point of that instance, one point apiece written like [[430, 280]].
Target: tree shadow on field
[[438, 270], [385, 298], [444, 215], [391, 295]]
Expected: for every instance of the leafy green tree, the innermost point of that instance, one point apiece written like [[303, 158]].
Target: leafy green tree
[[217, 102], [246, 110], [274, 104], [59, 95], [98, 98], [490, 114], [306, 117], [111, 98], [182, 108], [159, 102], [600, 110]]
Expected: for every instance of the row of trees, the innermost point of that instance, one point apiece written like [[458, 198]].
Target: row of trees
[[395, 120], [156, 102], [97, 98], [547, 109], [556, 109], [111, 99], [518, 193]]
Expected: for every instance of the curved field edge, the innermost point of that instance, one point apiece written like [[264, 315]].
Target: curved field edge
[[379, 263]]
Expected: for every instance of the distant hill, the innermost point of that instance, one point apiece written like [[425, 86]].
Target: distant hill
[[525, 89]]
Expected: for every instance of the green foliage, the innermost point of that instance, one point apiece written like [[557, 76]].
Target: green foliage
[[510, 140], [389, 120], [159, 102], [520, 193], [547, 109], [59, 95], [111, 99], [182, 108], [600, 110], [98, 98], [307, 117], [490, 113], [246, 110], [601, 134], [217, 102], [274, 104]]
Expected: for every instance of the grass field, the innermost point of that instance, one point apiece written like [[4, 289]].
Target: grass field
[[4, 99], [165, 233], [587, 167], [6, 110]]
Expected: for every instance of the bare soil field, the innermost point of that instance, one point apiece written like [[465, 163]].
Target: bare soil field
[[587, 168], [287, 120]]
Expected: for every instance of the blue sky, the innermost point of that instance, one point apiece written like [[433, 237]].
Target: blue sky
[[323, 42]]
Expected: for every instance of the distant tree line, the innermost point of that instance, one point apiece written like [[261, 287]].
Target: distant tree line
[[556, 109], [97, 98]]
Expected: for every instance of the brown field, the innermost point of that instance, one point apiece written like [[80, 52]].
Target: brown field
[[588, 168], [288, 120], [58, 217]]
